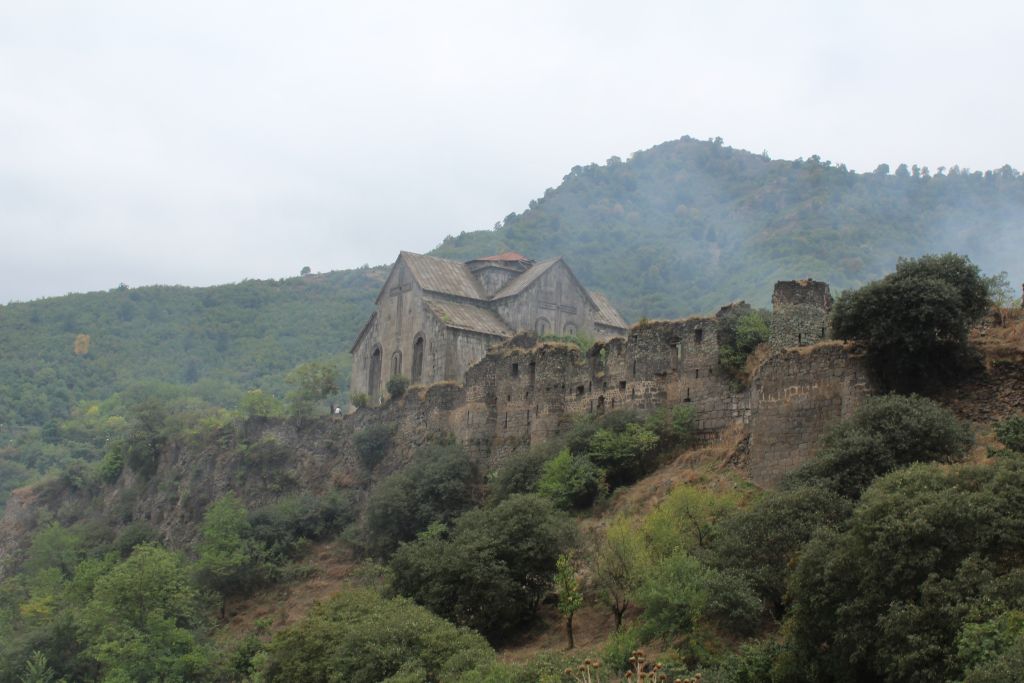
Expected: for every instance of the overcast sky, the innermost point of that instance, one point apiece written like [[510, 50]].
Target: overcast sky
[[206, 142]]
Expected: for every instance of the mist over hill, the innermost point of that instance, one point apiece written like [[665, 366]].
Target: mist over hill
[[676, 229], [686, 225]]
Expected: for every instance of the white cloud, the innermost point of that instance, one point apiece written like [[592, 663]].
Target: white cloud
[[198, 143]]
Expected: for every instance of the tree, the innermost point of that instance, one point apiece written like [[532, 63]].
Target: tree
[[372, 443], [147, 435], [228, 558], [914, 322], [306, 270], [491, 568], [618, 561], [570, 598], [1011, 432], [257, 404], [762, 541], [357, 636], [436, 487], [623, 455], [929, 551], [886, 433], [37, 670], [139, 621], [313, 382], [571, 481], [685, 518]]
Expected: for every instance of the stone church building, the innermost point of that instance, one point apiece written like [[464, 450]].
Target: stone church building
[[435, 317]]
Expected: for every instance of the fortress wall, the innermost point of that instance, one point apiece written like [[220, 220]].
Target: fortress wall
[[524, 393], [795, 396], [519, 395]]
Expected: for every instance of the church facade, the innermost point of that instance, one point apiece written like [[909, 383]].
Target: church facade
[[436, 317]]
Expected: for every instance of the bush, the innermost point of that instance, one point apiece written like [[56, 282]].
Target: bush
[[372, 443], [685, 518], [397, 386], [927, 551], [886, 433], [360, 400], [360, 637], [732, 604], [257, 404], [313, 382], [676, 427], [762, 541], [624, 455], [436, 487], [1011, 432], [283, 528], [672, 597], [915, 322], [752, 663], [740, 331], [491, 570], [519, 473], [571, 481]]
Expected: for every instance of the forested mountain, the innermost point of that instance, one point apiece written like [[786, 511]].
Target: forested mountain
[[217, 340], [687, 225], [677, 229]]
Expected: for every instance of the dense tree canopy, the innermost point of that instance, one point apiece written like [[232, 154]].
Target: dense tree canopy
[[915, 321], [490, 570], [885, 433], [929, 555], [436, 487], [359, 637]]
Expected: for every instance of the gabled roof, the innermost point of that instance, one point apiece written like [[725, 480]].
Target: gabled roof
[[443, 276], [513, 287], [467, 316], [606, 313], [520, 284]]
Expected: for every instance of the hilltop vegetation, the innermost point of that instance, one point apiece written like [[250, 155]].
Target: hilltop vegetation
[[684, 226]]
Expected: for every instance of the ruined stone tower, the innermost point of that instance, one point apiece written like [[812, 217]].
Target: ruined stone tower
[[800, 311]]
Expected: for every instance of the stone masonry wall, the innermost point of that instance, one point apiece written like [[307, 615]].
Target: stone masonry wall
[[796, 396], [800, 310]]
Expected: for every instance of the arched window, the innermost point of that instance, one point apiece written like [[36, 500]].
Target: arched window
[[570, 329], [543, 326], [396, 363], [373, 377], [417, 359]]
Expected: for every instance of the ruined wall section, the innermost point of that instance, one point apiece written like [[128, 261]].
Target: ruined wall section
[[800, 311], [531, 392], [796, 396]]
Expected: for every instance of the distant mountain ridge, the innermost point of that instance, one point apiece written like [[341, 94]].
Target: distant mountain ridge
[[677, 229]]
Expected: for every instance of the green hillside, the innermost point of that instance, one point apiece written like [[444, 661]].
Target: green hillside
[[677, 229], [217, 340], [687, 225]]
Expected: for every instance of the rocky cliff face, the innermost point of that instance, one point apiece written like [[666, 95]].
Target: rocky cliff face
[[520, 394]]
